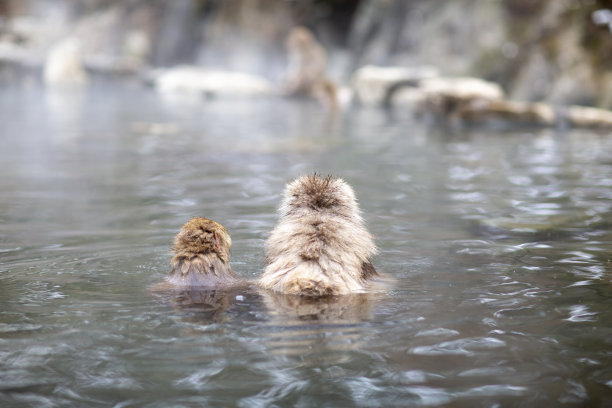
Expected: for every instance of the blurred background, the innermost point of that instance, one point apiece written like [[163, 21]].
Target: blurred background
[[551, 50]]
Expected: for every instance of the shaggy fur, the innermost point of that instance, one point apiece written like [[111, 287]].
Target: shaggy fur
[[202, 256], [320, 246]]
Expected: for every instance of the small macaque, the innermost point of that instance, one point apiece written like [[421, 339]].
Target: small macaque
[[320, 246], [202, 257], [307, 72]]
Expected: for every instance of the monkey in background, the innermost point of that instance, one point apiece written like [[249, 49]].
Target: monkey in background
[[307, 71], [324, 328], [320, 246]]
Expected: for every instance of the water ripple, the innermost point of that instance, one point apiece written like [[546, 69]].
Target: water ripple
[[494, 390], [465, 347], [581, 313]]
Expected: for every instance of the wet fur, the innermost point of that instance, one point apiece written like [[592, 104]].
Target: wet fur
[[320, 245], [202, 256]]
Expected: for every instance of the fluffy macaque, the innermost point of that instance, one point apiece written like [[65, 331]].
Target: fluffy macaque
[[307, 72], [202, 256], [320, 245]]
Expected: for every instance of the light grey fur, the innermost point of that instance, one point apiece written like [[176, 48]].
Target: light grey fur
[[320, 245]]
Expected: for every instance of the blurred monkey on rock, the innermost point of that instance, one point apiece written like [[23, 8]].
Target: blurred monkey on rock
[[307, 71]]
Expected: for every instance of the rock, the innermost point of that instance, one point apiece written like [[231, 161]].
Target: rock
[[531, 114], [582, 116], [373, 85], [443, 95], [473, 100], [534, 113], [464, 88], [191, 79], [64, 64], [513, 112], [450, 96]]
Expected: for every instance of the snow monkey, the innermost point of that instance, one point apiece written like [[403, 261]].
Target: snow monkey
[[202, 256], [307, 72], [320, 245]]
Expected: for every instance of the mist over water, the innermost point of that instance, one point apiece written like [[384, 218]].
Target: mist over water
[[499, 241]]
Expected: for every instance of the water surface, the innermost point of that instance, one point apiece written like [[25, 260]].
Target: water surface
[[500, 241]]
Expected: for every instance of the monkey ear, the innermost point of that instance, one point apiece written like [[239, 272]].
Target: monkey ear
[[217, 240]]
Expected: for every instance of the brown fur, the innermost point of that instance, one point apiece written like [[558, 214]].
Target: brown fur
[[307, 73], [202, 256], [320, 246]]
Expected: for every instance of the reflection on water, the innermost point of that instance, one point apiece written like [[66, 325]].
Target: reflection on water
[[317, 328], [500, 243], [200, 306]]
